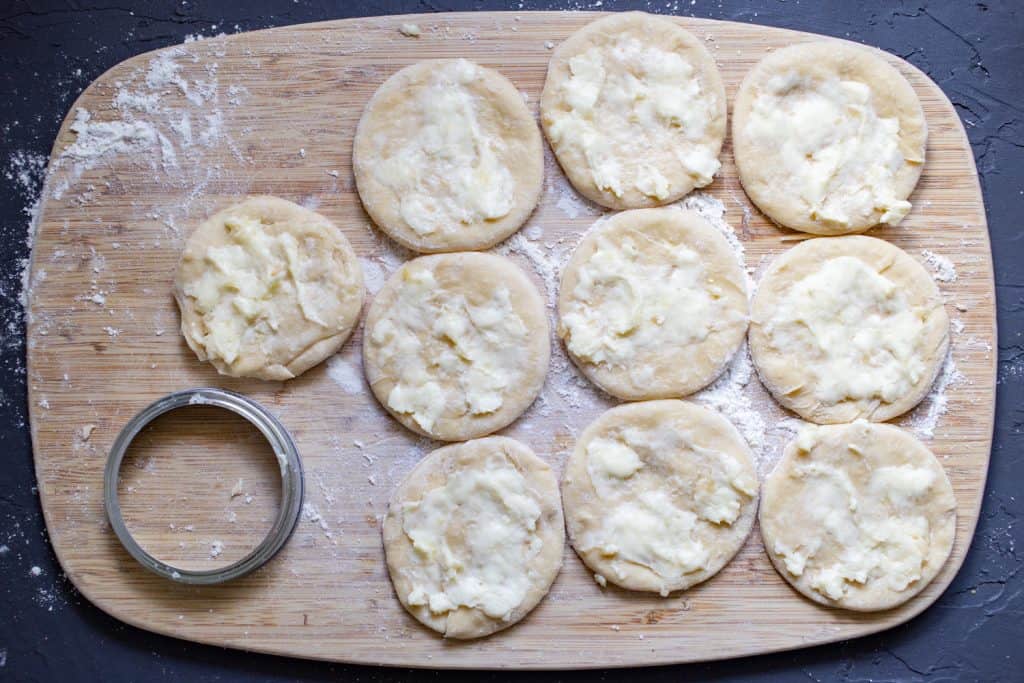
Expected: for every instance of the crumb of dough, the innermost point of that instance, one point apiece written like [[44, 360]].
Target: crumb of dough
[[411, 30], [85, 431], [601, 581], [216, 548], [236, 491]]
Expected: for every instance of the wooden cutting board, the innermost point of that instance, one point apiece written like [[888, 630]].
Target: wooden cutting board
[[172, 136]]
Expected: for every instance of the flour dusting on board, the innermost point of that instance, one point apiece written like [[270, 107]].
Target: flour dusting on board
[[941, 266], [345, 369], [729, 394], [925, 418]]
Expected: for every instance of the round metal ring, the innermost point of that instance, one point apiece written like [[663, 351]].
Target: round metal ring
[[291, 483]]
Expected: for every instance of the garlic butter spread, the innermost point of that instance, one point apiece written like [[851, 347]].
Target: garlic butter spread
[[628, 97], [450, 173], [837, 157], [446, 352], [662, 498], [254, 282], [626, 301], [474, 538], [854, 533], [854, 331]]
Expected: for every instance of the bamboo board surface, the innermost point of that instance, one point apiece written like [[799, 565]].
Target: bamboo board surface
[[273, 112]]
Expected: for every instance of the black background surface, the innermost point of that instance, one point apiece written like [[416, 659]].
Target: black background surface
[[50, 51]]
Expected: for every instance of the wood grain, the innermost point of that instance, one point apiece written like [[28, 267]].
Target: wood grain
[[279, 108]]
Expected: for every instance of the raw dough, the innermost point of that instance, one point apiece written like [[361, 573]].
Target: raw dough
[[456, 345], [659, 495], [634, 109], [653, 304], [859, 516], [474, 536], [848, 327], [829, 138], [267, 289], [448, 157]]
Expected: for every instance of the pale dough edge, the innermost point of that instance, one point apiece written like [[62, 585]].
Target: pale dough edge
[[813, 252], [894, 96], [575, 168], [700, 236], [527, 302], [375, 198], [938, 556], [283, 210], [578, 493], [430, 473]]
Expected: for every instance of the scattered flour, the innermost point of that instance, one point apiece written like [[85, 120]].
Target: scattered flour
[[546, 260], [375, 273], [572, 204], [729, 396], [99, 138], [387, 257], [312, 515], [346, 374], [713, 211], [943, 268], [925, 418], [737, 394]]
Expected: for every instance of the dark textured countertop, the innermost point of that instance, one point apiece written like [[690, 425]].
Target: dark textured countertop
[[52, 50]]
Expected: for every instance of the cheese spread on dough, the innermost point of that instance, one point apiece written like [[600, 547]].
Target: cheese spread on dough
[[255, 280], [625, 302], [855, 333], [451, 172], [834, 152], [474, 538], [658, 520], [874, 533], [623, 97], [445, 352]]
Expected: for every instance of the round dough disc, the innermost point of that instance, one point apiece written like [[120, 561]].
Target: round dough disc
[[659, 495], [474, 535], [267, 289], [653, 304], [456, 345], [859, 515], [848, 327], [448, 157], [829, 138], [634, 109]]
